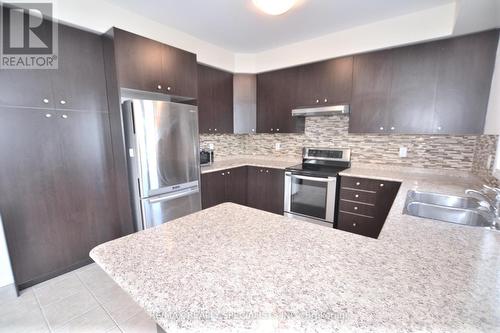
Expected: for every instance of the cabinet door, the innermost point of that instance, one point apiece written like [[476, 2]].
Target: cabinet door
[[26, 87], [87, 193], [213, 191], [464, 80], [372, 75], [29, 202], [275, 190], [413, 88], [276, 95], [79, 82], [215, 101], [179, 72], [256, 188], [236, 185], [325, 83], [138, 62]]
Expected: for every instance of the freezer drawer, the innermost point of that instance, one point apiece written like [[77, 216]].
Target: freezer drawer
[[164, 208]]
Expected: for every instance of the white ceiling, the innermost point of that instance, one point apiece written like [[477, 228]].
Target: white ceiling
[[238, 26]]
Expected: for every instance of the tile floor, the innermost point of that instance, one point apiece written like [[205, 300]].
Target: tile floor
[[83, 301]]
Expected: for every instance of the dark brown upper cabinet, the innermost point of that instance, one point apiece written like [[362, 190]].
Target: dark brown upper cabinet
[[465, 72], [148, 65], [431, 88], [77, 84], [372, 75], [276, 97], [215, 100], [324, 83]]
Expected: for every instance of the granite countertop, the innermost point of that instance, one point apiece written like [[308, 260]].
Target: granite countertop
[[232, 268], [250, 160]]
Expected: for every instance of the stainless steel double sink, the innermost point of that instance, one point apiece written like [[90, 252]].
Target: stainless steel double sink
[[447, 208]]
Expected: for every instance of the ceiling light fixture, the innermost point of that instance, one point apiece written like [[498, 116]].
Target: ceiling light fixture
[[274, 7]]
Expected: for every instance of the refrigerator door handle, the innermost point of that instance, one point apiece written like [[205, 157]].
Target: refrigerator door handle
[[173, 196]]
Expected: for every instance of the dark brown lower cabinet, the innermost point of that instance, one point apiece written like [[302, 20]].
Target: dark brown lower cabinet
[[57, 194], [260, 188], [266, 189], [224, 186], [364, 205]]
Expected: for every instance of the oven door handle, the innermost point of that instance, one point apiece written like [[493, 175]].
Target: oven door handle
[[314, 179]]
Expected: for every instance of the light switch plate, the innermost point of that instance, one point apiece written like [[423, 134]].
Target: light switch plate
[[211, 146], [277, 146], [403, 152], [489, 162]]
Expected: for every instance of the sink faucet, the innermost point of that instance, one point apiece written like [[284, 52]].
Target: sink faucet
[[493, 205]]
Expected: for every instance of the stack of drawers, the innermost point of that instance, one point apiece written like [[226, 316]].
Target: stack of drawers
[[364, 204]]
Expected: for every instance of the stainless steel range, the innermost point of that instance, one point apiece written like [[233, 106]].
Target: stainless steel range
[[311, 187]]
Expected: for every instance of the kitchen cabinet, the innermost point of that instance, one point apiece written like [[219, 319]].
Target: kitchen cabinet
[[245, 103], [372, 74], [364, 204], [224, 186], [215, 100], [57, 194], [276, 96], [77, 84], [148, 65], [325, 83], [464, 79], [266, 189], [439, 87]]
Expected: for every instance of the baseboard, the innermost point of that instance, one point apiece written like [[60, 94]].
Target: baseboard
[[53, 274]]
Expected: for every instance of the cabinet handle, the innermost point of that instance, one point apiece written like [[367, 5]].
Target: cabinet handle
[[210, 130], [45, 101], [62, 101], [326, 100], [64, 116], [356, 196], [215, 130], [169, 88], [381, 128], [358, 183], [381, 185], [277, 130], [159, 87], [267, 171], [356, 208], [317, 101], [222, 174], [253, 129], [439, 128], [271, 129], [354, 224], [48, 115], [261, 170], [229, 172], [393, 128]]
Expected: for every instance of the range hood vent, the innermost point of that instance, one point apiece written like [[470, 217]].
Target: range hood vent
[[321, 111]]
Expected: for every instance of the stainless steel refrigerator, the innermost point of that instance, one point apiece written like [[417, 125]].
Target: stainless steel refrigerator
[[163, 160]]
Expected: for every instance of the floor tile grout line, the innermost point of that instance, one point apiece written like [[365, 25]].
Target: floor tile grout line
[[100, 304], [60, 299], [43, 312]]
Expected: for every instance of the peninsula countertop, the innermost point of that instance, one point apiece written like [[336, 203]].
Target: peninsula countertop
[[232, 268]]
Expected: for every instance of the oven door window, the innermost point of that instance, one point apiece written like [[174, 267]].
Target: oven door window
[[308, 197]]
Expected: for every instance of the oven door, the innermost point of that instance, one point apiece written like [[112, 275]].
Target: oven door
[[310, 197]]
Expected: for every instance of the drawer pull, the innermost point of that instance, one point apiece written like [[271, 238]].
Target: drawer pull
[[355, 208], [381, 185], [354, 224], [222, 174], [356, 196], [358, 183], [229, 172]]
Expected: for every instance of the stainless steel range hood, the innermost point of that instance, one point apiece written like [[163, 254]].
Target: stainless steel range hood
[[321, 111]]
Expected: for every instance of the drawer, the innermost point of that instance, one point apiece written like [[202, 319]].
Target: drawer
[[358, 196], [364, 183], [357, 208], [360, 225]]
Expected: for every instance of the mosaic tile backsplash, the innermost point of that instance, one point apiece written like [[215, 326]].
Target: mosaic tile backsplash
[[424, 151], [486, 146]]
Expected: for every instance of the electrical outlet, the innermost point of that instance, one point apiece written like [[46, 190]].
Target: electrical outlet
[[403, 152], [211, 146], [277, 146]]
